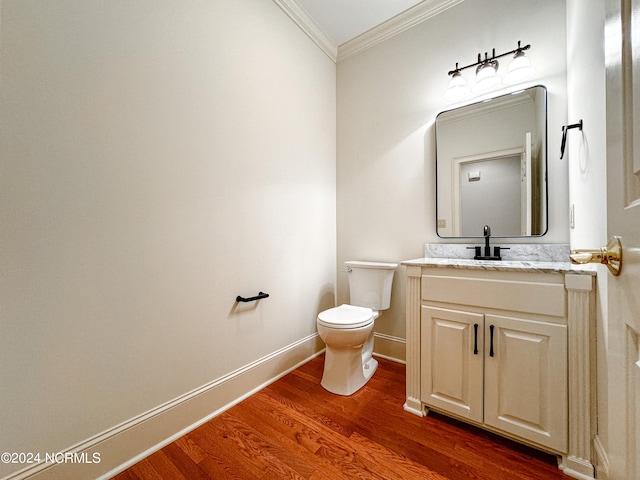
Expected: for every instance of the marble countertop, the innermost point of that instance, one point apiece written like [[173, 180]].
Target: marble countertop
[[503, 265]]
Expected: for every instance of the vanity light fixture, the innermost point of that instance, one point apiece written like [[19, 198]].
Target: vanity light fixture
[[457, 88], [487, 77], [520, 69]]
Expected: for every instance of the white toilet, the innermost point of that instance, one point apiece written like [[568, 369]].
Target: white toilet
[[347, 330]]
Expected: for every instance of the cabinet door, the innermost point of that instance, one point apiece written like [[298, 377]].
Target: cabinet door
[[526, 379], [451, 361]]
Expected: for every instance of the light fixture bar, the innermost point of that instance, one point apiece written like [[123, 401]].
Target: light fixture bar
[[488, 59]]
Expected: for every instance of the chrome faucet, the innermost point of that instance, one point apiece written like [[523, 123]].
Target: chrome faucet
[[487, 248]]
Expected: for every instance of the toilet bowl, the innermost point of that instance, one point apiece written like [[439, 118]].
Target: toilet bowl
[[347, 330]]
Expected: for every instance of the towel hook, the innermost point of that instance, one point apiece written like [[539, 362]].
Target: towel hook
[[565, 129]]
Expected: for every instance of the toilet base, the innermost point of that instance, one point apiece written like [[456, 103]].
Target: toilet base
[[347, 370]]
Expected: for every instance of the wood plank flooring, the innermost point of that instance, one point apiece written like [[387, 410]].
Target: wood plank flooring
[[294, 429]]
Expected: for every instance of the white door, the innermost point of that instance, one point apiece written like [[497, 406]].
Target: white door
[[623, 211]]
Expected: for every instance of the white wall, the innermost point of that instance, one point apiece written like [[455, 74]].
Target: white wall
[[388, 98], [586, 157], [156, 160]]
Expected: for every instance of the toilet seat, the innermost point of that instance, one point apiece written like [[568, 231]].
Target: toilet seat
[[346, 316]]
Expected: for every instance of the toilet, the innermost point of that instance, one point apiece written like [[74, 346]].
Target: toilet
[[347, 330]]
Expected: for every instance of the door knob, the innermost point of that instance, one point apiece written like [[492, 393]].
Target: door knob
[[611, 256]]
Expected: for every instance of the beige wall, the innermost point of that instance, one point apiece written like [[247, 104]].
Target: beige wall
[[156, 160], [388, 98]]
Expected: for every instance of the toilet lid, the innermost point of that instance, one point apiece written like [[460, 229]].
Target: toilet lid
[[346, 316]]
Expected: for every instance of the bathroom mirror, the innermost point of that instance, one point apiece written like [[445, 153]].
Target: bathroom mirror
[[491, 166]]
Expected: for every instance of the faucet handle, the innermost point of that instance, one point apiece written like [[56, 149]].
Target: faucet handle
[[496, 250]]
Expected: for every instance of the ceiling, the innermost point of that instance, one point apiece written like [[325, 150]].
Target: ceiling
[[343, 20]]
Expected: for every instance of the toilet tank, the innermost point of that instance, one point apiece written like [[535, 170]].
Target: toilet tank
[[370, 283]]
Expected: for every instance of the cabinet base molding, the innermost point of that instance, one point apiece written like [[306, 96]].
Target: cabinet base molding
[[413, 405], [577, 468], [602, 459]]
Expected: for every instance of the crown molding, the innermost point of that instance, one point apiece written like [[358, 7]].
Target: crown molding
[[394, 26], [309, 27]]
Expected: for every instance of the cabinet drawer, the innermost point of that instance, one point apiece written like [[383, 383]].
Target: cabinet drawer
[[518, 296]]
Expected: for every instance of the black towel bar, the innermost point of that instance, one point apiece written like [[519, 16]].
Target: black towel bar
[[260, 296], [565, 129]]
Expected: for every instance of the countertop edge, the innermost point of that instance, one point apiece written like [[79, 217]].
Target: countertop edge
[[503, 265]]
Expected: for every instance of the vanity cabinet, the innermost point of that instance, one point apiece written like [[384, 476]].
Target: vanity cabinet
[[507, 350], [506, 372]]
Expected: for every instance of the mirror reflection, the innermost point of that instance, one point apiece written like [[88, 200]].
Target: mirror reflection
[[491, 166]]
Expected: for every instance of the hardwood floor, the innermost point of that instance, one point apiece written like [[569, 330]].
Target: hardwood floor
[[294, 429]]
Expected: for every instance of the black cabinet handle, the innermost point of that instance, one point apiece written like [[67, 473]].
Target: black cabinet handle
[[475, 341], [491, 341]]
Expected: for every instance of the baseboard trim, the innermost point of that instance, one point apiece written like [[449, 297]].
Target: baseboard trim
[[129, 442], [389, 347]]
